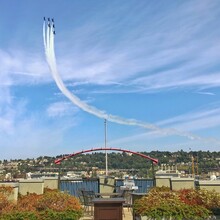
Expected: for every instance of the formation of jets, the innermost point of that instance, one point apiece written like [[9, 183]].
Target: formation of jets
[[50, 24]]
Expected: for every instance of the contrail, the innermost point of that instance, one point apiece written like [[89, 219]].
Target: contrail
[[48, 38]]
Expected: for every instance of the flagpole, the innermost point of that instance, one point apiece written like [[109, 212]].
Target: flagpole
[[106, 155]]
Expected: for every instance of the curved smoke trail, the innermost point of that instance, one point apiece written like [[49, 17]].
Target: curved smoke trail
[[48, 37]]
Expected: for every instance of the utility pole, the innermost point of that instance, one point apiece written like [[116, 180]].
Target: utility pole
[[106, 155]]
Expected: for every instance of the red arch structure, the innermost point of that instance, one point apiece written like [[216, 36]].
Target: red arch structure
[[58, 161]]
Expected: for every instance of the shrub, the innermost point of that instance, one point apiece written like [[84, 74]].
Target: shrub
[[52, 205], [55, 215], [28, 202], [163, 203], [57, 201], [5, 192], [17, 215], [45, 215], [203, 197]]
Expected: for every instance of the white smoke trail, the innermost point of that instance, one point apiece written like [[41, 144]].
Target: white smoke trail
[[48, 37]]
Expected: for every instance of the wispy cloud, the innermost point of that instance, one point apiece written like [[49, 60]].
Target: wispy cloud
[[174, 49], [205, 93], [19, 67], [61, 109], [159, 51], [195, 121], [30, 141], [32, 134]]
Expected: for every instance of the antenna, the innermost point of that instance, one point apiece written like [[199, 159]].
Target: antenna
[[106, 155]]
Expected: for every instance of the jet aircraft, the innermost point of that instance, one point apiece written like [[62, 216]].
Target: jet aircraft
[[50, 24]]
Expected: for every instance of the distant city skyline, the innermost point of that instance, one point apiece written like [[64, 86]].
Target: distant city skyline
[[152, 62]]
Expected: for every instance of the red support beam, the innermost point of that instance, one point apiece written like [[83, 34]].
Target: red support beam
[[58, 161]]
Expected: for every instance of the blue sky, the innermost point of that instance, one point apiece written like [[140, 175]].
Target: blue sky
[[155, 62]]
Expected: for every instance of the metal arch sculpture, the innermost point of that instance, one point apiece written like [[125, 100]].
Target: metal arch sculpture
[[58, 161]]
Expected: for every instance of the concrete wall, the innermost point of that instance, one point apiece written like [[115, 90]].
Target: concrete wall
[[209, 185], [14, 195], [31, 186], [177, 183], [182, 183], [163, 181], [37, 185], [51, 182]]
